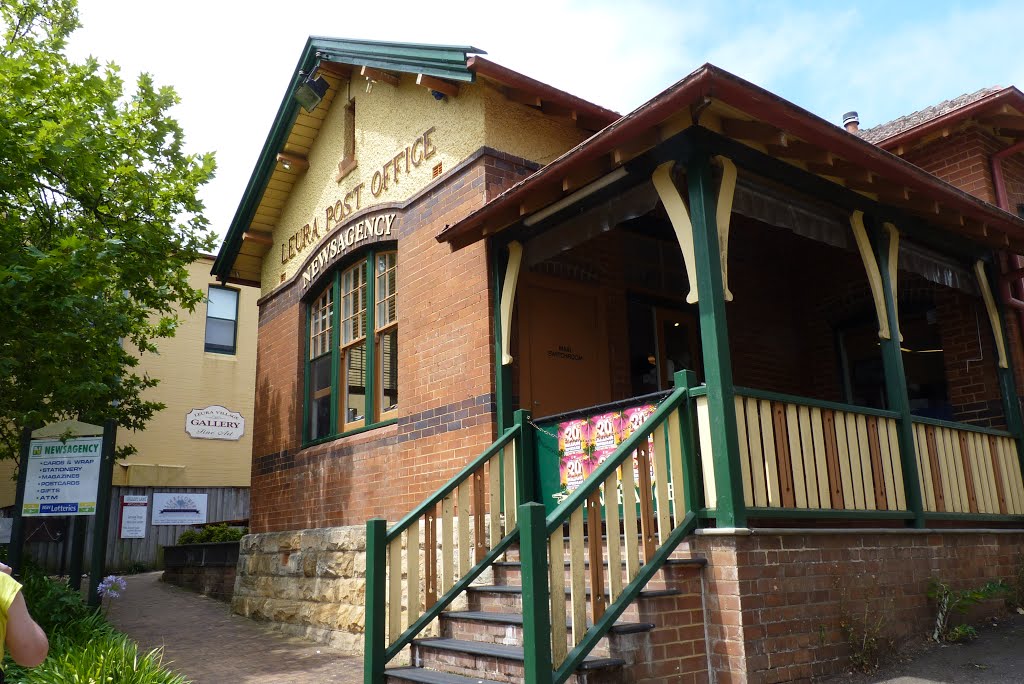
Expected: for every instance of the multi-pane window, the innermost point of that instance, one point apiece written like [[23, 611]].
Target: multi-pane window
[[387, 331], [221, 320], [352, 372], [321, 315], [353, 345]]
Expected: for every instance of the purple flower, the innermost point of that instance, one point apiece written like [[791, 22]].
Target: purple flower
[[111, 586]]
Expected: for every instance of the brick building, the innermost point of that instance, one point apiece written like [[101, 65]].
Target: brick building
[[497, 306]]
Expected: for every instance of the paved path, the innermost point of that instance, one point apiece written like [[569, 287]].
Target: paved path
[[205, 642]]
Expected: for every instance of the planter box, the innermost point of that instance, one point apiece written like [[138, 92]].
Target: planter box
[[206, 568]]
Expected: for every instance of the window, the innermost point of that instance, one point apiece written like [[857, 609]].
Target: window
[[221, 320], [352, 369]]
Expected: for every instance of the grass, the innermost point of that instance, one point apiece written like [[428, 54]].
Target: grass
[[84, 646]]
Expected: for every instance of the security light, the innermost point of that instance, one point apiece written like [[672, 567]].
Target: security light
[[311, 91]]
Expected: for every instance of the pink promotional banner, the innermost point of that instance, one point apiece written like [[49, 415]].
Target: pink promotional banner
[[632, 419], [605, 435], [574, 453]]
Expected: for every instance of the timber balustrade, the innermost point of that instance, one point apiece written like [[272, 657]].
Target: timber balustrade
[[648, 488], [967, 470], [415, 569]]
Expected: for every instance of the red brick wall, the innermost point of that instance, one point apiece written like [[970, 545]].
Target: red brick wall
[[775, 603], [445, 377], [969, 355], [962, 160]]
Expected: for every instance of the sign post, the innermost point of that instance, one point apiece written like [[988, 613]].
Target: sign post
[[99, 537], [18, 526]]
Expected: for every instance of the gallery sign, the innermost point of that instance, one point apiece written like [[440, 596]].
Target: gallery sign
[[214, 422], [62, 478], [179, 509]]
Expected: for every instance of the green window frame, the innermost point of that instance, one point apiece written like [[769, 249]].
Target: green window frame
[[351, 349]]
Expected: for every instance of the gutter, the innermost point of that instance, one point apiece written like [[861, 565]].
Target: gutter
[[710, 81]]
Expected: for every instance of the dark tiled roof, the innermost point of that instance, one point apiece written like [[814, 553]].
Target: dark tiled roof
[[905, 123]]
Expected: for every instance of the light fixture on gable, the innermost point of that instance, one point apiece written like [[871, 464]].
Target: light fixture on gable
[[311, 91]]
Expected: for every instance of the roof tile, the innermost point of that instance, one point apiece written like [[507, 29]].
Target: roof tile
[[887, 130]]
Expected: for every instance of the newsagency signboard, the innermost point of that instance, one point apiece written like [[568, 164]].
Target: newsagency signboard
[[62, 477]]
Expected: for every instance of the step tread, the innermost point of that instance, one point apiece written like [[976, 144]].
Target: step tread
[[504, 651], [419, 674], [698, 562], [517, 619], [514, 589]]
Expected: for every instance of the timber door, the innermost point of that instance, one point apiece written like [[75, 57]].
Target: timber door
[[564, 348]]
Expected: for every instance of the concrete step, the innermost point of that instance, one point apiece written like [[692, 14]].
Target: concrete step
[[501, 662]]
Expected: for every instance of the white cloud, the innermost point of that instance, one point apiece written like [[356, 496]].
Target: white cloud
[[230, 61]]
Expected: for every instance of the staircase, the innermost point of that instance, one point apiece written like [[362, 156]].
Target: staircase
[[624, 607], [659, 638]]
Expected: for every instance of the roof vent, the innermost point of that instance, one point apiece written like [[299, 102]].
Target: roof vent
[[851, 122]]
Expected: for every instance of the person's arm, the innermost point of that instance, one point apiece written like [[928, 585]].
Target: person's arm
[[26, 640]]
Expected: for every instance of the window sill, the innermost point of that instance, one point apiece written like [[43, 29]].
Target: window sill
[[350, 433], [344, 168]]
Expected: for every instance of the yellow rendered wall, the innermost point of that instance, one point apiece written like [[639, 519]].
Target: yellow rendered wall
[[388, 119], [525, 131], [192, 378]]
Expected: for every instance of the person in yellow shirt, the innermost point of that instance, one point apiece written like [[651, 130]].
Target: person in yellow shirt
[[23, 638]]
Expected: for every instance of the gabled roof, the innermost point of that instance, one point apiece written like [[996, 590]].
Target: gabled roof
[[1001, 110], [439, 61], [294, 130], [766, 124], [923, 116]]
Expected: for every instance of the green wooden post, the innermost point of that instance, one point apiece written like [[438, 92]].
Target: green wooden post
[[526, 467], [694, 488], [714, 334], [896, 387], [102, 517], [80, 527], [376, 601], [17, 544], [1007, 384], [536, 594]]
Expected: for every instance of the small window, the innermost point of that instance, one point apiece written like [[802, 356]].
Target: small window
[[221, 320]]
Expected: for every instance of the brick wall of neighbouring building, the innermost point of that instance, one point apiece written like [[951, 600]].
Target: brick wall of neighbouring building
[[777, 603], [445, 414]]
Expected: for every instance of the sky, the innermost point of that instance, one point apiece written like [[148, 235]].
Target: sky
[[231, 61]]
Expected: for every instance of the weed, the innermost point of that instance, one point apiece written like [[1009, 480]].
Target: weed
[[948, 601], [865, 628]]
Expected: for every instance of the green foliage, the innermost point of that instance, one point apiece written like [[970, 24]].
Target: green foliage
[[212, 534], [54, 605], [949, 601], [99, 220], [110, 658], [84, 647]]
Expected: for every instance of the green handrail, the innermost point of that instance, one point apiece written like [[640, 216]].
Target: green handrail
[[378, 537], [814, 403], [560, 515], [453, 483], [534, 548], [966, 427]]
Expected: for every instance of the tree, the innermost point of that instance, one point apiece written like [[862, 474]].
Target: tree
[[99, 220]]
